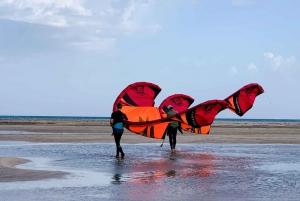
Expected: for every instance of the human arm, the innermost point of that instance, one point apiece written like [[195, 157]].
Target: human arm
[[111, 121]]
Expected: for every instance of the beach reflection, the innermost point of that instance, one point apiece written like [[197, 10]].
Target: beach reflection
[[152, 178], [171, 173], [117, 179], [182, 165]]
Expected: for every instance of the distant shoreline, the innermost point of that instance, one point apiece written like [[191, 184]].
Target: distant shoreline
[[12, 117]]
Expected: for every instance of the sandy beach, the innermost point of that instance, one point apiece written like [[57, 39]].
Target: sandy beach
[[96, 131], [99, 131]]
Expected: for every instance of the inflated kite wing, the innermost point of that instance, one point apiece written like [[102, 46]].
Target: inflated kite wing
[[138, 105], [138, 94], [242, 100], [204, 116], [146, 120], [198, 117], [180, 103], [149, 121], [239, 102]]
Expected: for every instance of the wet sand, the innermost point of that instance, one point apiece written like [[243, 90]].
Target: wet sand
[[99, 131], [96, 131], [8, 172]]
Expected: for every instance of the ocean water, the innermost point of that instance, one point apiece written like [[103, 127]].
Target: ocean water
[[149, 172], [107, 118]]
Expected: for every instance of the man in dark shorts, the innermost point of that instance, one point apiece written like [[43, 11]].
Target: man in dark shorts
[[172, 129], [116, 121]]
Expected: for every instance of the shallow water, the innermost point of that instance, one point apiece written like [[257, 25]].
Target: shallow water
[[149, 172], [8, 132]]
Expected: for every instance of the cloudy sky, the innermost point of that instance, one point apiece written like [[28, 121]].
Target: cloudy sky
[[73, 57]]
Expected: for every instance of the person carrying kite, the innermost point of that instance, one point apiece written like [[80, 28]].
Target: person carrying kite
[[116, 121], [172, 129]]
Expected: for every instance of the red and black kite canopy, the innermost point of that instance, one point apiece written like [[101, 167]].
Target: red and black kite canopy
[[138, 94], [180, 103], [243, 99], [199, 117], [146, 120]]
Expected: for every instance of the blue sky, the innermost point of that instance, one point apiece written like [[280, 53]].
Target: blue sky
[[73, 58]]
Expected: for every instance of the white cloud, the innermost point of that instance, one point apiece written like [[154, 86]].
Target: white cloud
[[155, 27], [88, 24], [279, 62], [252, 68], [133, 16], [290, 61], [268, 55], [286, 67], [241, 2], [128, 16], [233, 70], [95, 43], [48, 12]]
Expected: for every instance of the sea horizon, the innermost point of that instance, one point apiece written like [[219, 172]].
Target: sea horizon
[[2, 117]]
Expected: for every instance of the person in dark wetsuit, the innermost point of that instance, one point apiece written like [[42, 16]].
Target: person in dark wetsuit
[[172, 129], [116, 121]]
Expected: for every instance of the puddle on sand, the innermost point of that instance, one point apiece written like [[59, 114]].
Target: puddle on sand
[[281, 167], [76, 178]]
